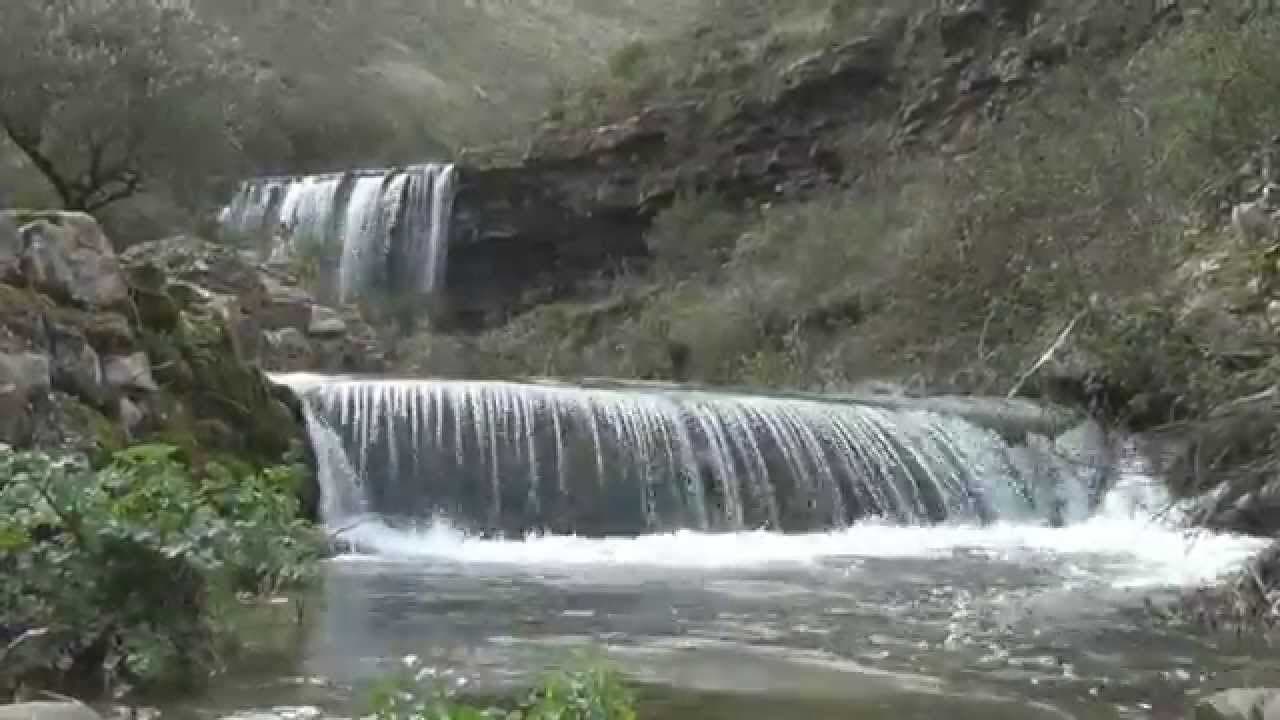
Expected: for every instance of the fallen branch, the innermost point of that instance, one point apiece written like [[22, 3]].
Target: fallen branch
[[1048, 354]]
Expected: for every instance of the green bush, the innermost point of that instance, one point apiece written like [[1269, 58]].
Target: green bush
[[129, 569], [591, 694]]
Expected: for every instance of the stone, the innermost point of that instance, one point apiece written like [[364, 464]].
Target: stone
[[130, 372], [64, 423], [48, 711], [66, 256], [215, 268], [109, 333], [26, 373], [131, 416], [325, 322], [1240, 704], [22, 320], [77, 368], [10, 249], [286, 306]]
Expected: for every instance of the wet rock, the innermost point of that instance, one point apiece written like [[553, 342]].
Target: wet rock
[[76, 366], [130, 372], [1240, 704], [286, 306], [48, 711], [325, 322], [66, 256]]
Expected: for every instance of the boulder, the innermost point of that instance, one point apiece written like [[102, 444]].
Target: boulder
[[325, 322], [131, 416], [109, 333], [10, 248], [129, 372], [1240, 704], [66, 256], [62, 422], [213, 267], [22, 320], [286, 306], [48, 711], [77, 368], [26, 373]]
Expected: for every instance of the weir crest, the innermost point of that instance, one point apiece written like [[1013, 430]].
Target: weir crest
[[513, 458]]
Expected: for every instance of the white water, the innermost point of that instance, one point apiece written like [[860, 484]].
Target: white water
[[361, 230], [368, 221], [1132, 552], [623, 461]]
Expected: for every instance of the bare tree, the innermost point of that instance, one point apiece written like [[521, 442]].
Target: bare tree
[[106, 96]]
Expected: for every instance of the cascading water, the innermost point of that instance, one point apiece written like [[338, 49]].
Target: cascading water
[[766, 556], [386, 228], [515, 457]]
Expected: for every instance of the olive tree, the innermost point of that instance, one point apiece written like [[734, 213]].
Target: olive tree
[[106, 97]]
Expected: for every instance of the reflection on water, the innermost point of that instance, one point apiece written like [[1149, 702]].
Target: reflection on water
[[872, 622]]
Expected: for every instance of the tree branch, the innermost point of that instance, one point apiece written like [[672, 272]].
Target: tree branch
[[130, 184], [30, 146]]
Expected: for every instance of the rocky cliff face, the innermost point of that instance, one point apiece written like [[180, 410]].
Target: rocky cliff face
[[580, 201], [166, 343]]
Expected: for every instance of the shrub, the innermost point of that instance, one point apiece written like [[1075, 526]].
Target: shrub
[[127, 570], [591, 694]]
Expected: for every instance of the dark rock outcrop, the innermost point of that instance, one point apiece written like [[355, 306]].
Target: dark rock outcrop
[[581, 200]]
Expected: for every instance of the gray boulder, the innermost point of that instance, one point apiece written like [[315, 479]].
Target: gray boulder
[[76, 366], [27, 374], [129, 372], [1240, 704], [286, 306], [325, 322], [10, 247], [66, 256]]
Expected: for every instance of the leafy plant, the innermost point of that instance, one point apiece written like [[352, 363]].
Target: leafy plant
[[125, 570], [417, 693]]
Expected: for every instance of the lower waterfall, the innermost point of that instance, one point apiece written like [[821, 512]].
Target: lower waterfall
[[513, 458]]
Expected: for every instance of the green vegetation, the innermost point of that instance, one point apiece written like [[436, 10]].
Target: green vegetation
[[107, 98], [591, 694], [1079, 210], [124, 576]]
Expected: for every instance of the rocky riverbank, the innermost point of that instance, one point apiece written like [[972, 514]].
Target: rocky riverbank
[[165, 343]]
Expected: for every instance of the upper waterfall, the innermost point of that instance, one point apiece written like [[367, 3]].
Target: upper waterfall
[[380, 229], [516, 457]]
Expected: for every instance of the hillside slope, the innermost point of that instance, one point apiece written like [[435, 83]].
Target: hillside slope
[[446, 72]]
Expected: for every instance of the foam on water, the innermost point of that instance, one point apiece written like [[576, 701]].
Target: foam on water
[[1126, 552]]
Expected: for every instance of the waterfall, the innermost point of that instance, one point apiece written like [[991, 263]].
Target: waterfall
[[517, 457], [386, 229]]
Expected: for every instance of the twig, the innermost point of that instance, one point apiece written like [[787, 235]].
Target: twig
[[1048, 354], [28, 635]]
